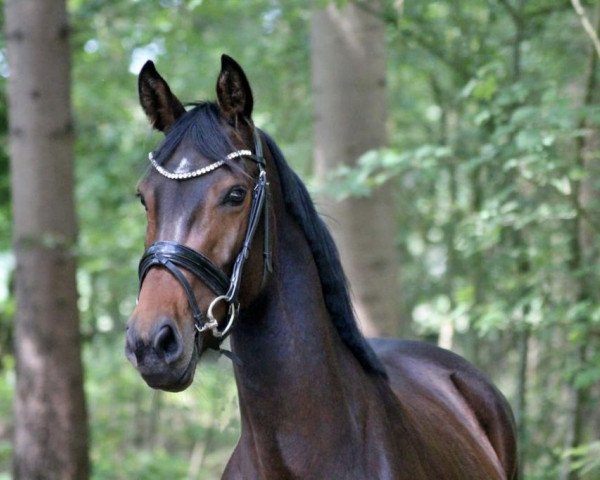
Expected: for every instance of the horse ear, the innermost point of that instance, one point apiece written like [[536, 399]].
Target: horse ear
[[233, 91], [162, 107]]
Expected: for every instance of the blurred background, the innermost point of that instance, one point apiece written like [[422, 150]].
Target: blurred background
[[454, 147]]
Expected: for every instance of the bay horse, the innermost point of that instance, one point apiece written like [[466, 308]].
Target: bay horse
[[234, 246]]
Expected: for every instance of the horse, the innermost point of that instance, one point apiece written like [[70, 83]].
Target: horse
[[235, 247]]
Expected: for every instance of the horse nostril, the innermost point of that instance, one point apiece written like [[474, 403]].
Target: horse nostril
[[132, 346], [167, 343]]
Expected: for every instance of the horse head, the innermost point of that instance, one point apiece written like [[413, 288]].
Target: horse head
[[205, 195]]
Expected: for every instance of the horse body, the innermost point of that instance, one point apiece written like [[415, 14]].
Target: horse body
[[309, 410], [464, 406], [317, 401]]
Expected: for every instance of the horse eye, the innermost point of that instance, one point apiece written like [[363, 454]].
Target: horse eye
[[141, 198], [235, 196]]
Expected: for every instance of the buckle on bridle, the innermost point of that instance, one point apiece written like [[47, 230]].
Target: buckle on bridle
[[212, 324]]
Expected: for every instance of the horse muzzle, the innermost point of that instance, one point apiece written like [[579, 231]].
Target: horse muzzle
[[160, 357]]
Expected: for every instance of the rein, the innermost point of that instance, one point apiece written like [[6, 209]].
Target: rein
[[174, 256]]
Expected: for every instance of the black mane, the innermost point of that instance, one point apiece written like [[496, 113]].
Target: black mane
[[202, 126], [325, 253]]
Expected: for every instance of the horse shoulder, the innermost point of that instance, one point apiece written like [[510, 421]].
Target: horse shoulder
[[424, 374]]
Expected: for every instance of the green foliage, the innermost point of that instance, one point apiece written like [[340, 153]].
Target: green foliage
[[586, 460]]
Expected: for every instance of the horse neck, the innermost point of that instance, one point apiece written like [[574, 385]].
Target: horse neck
[[294, 364]]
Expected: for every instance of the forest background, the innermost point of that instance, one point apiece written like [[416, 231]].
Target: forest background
[[493, 161]]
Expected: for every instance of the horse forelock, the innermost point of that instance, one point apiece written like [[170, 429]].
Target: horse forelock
[[202, 127]]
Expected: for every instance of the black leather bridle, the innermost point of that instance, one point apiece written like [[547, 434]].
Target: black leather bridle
[[174, 256]]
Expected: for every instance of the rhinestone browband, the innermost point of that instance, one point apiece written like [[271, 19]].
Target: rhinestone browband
[[200, 171]]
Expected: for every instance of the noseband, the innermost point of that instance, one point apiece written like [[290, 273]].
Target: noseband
[[174, 256]]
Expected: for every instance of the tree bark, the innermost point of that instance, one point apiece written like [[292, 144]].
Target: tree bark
[[50, 439], [349, 85], [584, 251]]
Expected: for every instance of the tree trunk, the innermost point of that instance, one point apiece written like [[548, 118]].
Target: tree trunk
[[584, 252], [348, 69], [50, 439]]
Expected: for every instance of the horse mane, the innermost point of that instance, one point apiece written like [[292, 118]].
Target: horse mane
[[300, 206], [202, 126]]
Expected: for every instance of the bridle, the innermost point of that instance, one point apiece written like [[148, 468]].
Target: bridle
[[174, 256]]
